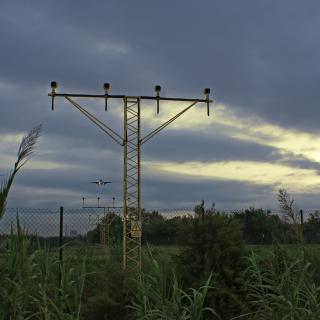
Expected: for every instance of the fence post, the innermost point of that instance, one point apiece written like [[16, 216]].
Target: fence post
[[60, 248], [301, 222]]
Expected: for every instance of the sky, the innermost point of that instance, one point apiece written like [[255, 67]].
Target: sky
[[260, 59]]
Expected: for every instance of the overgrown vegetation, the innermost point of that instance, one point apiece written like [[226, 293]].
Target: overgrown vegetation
[[281, 288], [26, 150], [29, 284], [213, 242], [160, 296], [230, 280]]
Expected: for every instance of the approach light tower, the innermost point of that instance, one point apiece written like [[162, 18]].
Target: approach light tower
[[131, 142]]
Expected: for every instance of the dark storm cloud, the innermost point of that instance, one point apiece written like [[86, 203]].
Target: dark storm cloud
[[82, 162], [159, 191], [184, 194], [57, 44], [171, 146], [69, 179], [300, 162], [259, 57], [191, 146]]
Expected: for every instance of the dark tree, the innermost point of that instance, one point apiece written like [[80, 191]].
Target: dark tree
[[213, 242]]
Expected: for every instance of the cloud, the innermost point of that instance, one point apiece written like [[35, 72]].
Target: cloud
[[276, 175], [259, 58]]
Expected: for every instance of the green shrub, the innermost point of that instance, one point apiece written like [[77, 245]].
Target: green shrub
[[108, 288], [214, 243]]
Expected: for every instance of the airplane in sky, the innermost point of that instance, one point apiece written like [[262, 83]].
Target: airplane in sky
[[100, 182]]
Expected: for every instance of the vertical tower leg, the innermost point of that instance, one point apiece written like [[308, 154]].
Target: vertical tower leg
[[102, 228], [131, 201]]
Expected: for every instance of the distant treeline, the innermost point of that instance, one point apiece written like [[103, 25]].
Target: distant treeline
[[258, 226]]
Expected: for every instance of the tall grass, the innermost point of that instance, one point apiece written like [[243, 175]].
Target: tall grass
[[29, 285], [281, 288], [26, 149], [159, 296]]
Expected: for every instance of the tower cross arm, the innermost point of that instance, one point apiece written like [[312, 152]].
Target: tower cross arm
[[122, 96], [84, 95]]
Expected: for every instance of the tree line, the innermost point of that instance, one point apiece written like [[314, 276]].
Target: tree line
[[258, 226]]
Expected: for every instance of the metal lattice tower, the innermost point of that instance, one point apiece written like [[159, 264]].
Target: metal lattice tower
[[131, 143], [131, 183]]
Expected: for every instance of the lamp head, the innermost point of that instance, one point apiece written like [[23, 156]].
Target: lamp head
[[106, 86], [206, 91], [54, 85], [157, 89]]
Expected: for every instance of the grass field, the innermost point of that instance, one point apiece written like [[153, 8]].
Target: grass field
[[166, 252]]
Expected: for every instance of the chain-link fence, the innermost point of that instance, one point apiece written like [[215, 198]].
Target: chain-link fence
[[82, 224], [76, 222], [93, 225], [104, 225], [41, 222]]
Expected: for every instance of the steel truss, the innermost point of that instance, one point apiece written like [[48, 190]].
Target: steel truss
[[131, 184]]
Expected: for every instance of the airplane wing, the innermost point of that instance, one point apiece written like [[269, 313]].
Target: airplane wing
[[93, 182], [105, 182]]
